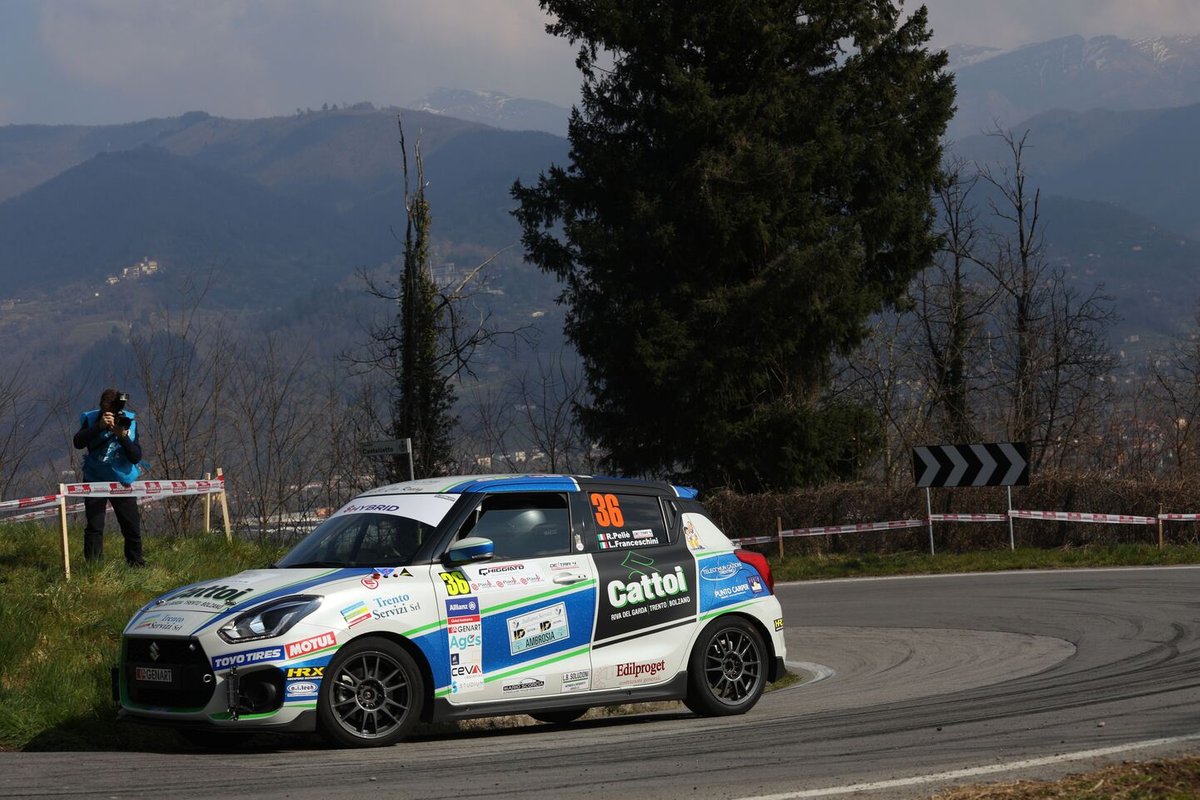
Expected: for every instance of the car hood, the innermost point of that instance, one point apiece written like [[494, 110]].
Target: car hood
[[199, 605]]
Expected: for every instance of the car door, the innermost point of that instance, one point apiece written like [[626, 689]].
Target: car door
[[520, 624], [647, 607]]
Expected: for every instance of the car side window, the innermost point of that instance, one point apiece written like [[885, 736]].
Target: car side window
[[522, 525], [627, 520]]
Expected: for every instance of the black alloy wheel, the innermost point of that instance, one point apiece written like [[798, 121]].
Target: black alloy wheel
[[371, 695], [727, 670]]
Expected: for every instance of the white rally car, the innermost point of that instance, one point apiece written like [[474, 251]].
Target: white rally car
[[451, 598]]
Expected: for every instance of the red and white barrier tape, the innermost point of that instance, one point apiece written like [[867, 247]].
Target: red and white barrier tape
[[30, 502], [860, 527], [1076, 516], [968, 517], [1180, 517], [147, 488], [45, 512]]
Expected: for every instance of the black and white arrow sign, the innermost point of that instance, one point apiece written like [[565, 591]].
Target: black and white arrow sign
[[1002, 464]]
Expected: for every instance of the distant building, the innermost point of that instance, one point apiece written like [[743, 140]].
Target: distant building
[[140, 270]]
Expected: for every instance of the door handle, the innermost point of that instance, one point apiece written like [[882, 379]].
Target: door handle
[[568, 578]]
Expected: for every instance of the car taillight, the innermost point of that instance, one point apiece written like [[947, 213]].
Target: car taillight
[[759, 562]]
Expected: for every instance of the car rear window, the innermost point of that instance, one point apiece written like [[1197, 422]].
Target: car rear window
[[627, 520]]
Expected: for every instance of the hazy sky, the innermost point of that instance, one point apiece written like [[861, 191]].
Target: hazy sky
[[104, 61]]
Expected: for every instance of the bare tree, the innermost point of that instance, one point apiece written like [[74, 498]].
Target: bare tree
[[182, 363], [1048, 352]]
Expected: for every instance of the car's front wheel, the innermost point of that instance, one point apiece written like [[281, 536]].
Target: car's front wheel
[[727, 669], [371, 695]]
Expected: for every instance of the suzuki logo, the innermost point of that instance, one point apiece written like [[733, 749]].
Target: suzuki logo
[[154, 651]]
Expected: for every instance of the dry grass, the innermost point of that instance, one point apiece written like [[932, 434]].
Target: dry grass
[[1165, 779]]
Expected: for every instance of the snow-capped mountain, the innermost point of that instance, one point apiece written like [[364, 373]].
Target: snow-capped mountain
[[496, 109], [1077, 74]]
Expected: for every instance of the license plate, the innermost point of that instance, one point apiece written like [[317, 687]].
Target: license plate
[[154, 674]]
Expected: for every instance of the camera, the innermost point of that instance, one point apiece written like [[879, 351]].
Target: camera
[[124, 421]]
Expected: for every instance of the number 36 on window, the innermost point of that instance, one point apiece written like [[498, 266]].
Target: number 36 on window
[[607, 510]]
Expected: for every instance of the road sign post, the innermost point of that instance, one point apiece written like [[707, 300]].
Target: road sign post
[[386, 448], [954, 465]]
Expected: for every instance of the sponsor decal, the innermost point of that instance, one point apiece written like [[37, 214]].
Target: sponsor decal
[[538, 628], [229, 594], [161, 622], [462, 607], [523, 685], [631, 673], [370, 583], [313, 644], [755, 584], [720, 572], [360, 508], [692, 538], [305, 672], [779, 623], [635, 670], [731, 592], [390, 572], [578, 681], [502, 568], [298, 689], [558, 566], [464, 635], [395, 606], [640, 591], [648, 587], [355, 613], [506, 576], [247, 657]]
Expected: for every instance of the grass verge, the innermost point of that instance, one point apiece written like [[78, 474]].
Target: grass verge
[[1165, 779]]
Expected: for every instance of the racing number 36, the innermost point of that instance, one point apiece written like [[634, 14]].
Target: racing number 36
[[608, 511], [456, 583]]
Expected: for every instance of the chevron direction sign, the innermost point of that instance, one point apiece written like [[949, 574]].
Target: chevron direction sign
[[1002, 464]]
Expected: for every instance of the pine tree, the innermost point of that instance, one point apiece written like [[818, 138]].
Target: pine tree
[[749, 181], [423, 398]]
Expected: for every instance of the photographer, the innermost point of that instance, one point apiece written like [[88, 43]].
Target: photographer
[[110, 435]]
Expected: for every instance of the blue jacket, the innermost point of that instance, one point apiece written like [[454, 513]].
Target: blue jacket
[[109, 458]]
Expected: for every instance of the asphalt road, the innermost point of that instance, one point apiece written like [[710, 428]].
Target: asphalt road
[[915, 684]]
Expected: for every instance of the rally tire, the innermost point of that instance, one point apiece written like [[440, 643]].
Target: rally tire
[[727, 671], [371, 695], [563, 716]]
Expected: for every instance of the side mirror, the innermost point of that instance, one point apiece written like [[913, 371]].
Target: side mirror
[[470, 550]]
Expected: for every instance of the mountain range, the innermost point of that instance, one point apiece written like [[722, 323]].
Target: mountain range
[[281, 213]]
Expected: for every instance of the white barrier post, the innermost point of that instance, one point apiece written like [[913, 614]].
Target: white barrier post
[[207, 507], [1012, 541], [225, 506], [62, 516], [929, 515]]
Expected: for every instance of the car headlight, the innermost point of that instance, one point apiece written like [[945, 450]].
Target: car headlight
[[271, 619]]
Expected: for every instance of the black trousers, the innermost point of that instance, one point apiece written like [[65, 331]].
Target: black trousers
[[126, 509]]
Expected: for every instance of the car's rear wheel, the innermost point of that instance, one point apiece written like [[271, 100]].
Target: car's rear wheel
[[560, 717], [727, 669], [371, 695]]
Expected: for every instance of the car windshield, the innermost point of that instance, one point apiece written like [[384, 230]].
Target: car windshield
[[369, 534]]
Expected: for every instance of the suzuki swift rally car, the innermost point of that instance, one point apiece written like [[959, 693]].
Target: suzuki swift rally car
[[450, 598]]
